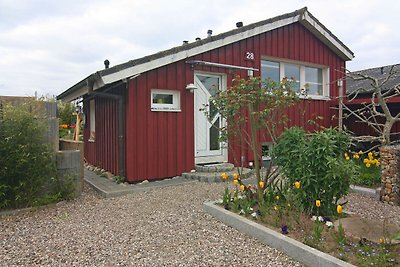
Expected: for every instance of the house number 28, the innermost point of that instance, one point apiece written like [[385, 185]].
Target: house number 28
[[249, 56]]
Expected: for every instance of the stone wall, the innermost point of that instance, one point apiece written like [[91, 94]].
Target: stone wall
[[69, 169], [390, 162]]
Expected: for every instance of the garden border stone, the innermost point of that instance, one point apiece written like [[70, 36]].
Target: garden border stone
[[289, 246]]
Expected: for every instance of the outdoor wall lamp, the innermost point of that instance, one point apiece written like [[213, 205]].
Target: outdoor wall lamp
[[191, 87]]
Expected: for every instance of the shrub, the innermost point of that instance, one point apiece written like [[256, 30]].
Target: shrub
[[316, 161], [28, 169]]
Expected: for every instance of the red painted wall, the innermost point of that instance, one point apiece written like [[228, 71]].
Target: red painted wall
[[161, 144], [103, 152]]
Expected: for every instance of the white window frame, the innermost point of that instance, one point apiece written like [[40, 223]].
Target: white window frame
[[176, 101], [325, 76]]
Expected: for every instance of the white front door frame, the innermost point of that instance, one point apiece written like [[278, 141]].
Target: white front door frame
[[206, 155]]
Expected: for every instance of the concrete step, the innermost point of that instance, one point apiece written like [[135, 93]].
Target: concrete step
[[215, 177], [215, 167]]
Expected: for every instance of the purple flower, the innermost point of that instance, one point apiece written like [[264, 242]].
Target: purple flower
[[284, 229]]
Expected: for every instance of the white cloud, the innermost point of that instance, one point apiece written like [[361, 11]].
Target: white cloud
[[49, 46]]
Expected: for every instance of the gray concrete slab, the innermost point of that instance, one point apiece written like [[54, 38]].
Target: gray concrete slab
[[293, 248], [108, 189], [370, 192]]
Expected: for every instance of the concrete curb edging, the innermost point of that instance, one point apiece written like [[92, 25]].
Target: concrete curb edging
[[291, 247]]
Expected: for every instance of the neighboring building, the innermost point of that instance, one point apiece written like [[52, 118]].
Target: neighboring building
[[360, 91], [142, 116]]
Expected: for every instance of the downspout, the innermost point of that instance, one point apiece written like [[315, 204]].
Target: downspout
[[121, 123]]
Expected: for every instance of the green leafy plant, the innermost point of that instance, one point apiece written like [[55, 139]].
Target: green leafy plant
[[28, 171], [28, 164], [119, 179], [317, 162], [263, 102]]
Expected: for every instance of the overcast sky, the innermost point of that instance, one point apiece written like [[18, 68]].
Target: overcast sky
[[47, 46]]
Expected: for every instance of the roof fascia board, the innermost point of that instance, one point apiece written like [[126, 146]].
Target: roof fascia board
[[122, 74], [75, 94], [326, 37]]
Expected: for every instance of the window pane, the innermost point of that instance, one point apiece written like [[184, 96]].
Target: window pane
[[214, 135], [162, 99], [270, 69], [292, 72], [314, 80], [211, 83]]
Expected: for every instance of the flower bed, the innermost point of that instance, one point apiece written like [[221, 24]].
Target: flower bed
[[283, 214]]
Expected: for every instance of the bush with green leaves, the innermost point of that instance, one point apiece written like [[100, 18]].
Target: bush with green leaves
[[317, 162], [27, 164]]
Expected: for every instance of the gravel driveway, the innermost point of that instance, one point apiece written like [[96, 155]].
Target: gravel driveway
[[163, 227]]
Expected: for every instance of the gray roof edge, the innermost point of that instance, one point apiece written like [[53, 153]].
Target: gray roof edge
[[331, 34]]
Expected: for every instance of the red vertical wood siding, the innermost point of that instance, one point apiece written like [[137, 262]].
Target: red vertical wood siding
[[104, 151], [161, 144]]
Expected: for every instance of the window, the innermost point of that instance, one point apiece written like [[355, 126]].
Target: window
[[165, 100], [270, 70], [92, 120], [292, 72], [315, 79]]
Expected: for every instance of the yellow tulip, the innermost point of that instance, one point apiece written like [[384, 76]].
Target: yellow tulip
[[297, 184], [276, 208], [236, 176], [261, 184], [224, 176], [339, 209], [318, 203], [368, 165], [347, 158], [277, 197], [242, 187], [381, 240], [235, 182], [249, 186]]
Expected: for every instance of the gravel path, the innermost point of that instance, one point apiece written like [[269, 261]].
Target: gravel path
[[165, 227], [368, 207]]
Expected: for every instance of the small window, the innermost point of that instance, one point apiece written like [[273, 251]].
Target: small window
[[165, 100]]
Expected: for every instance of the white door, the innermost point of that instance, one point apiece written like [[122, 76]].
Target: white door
[[208, 147]]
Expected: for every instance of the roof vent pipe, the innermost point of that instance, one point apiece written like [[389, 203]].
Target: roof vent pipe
[[239, 24], [106, 63], [209, 33], [185, 42], [198, 39]]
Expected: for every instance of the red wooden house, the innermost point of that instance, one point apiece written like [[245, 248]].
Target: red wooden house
[[142, 116]]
